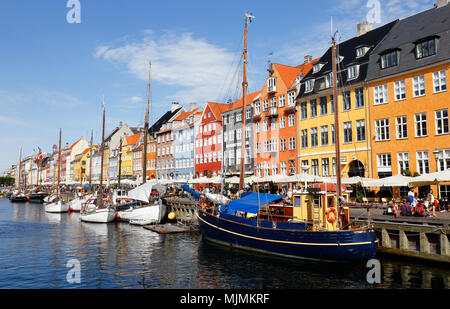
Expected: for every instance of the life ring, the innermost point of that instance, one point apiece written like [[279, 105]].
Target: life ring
[[331, 218]]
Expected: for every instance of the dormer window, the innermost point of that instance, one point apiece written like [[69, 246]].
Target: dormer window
[[361, 51], [317, 67], [309, 85], [352, 72], [271, 84], [389, 59], [329, 80], [425, 48]]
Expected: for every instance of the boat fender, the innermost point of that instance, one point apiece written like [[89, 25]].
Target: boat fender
[[331, 214]]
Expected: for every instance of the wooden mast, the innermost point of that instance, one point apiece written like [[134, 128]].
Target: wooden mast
[[144, 155], [248, 18], [336, 129], [38, 175], [120, 162], [19, 167], [59, 164], [100, 193], [90, 162]]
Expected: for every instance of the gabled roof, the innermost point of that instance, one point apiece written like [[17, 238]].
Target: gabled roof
[[131, 140], [162, 120], [347, 53], [186, 114], [73, 145], [434, 22], [217, 109], [238, 103]]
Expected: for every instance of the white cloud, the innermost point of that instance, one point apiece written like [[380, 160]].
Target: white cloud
[[194, 68], [42, 97]]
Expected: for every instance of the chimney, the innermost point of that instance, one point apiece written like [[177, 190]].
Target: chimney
[[120, 124], [192, 106], [308, 59], [441, 3], [175, 106], [363, 28]]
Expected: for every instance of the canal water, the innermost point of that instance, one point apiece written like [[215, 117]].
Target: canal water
[[35, 248]]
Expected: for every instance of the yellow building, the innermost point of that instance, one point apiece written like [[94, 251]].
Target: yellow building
[[127, 155], [315, 105]]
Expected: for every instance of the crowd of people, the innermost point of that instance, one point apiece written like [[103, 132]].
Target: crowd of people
[[427, 206]]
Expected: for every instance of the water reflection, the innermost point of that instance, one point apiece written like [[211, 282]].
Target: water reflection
[[36, 246]]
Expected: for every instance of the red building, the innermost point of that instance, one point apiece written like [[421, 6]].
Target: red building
[[208, 141]]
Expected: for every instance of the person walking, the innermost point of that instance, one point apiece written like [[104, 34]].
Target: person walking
[[431, 202]]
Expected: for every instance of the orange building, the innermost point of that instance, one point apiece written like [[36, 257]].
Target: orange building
[[275, 120], [409, 99]]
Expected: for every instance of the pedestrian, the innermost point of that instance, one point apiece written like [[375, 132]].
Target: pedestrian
[[432, 204], [411, 195]]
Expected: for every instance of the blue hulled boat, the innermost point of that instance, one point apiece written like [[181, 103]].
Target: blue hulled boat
[[266, 224]]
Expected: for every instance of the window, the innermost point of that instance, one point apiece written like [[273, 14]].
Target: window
[[418, 86], [348, 132], [271, 84], [382, 130], [258, 147], [325, 167], [421, 124], [442, 122], [274, 168], [425, 48], [266, 125], [258, 107], [291, 120], [313, 108], [304, 136], [346, 101], [389, 59], [324, 135], [333, 135], [401, 126], [329, 80], [333, 162], [248, 113], [282, 100], [273, 102], [360, 130], [331, 104], [323, 106], [359, 97], [316, 67], [265, 105], [257, 127], [361, 51], [315, 167], [303, 110], [314, 137], [273, 125], [439, 81], [309, 85], [283, 167], [352, 72], [400, 90], [291, 143], [291, 98], [403, 161], [238, 134], [444, 159], [384, 162], [380, 94], [283, 146], [282, 122], [423, 164]]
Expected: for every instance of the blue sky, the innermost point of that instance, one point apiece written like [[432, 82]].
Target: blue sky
[[53, 74]]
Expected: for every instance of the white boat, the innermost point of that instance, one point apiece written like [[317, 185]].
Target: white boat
[[148, 213], [97, 215], [57, 207], [75, 204]]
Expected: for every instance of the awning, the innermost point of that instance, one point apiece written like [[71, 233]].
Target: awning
[[252, 201]]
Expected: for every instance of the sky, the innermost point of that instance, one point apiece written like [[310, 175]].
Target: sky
[[56, 74]]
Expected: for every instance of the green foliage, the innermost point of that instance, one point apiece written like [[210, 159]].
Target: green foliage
[[7, 181]]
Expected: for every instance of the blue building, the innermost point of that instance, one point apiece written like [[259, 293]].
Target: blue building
[[184, 155]]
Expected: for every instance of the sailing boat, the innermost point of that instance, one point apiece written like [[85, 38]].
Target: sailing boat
[[58, 206], [266, 223], [18, 196], [142, 211], [94, 210]]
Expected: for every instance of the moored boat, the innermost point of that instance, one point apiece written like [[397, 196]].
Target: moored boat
[[57, 207]]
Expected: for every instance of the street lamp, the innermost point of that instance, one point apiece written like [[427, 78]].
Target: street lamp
[[436, 156]]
